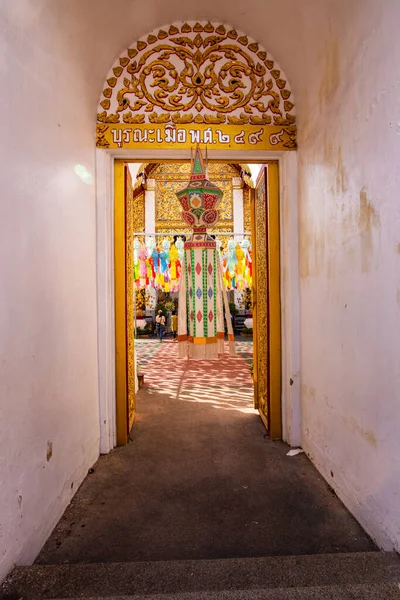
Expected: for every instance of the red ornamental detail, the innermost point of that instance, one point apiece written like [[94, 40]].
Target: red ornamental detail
[[209, 200], [210, 216], [189, 268], [210, 269], [199, 316], [188, 218], [184, 200], [198, 268], [210, 316], [191, 315]]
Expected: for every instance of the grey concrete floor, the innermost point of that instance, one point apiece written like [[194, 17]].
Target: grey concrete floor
[[200, 479]]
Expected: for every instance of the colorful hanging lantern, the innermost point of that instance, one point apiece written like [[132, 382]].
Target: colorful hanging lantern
[[200, 198], [201, 292]]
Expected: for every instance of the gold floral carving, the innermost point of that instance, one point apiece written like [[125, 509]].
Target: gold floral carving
[[101, 141], [247, 208], [138, 211], [262, 295], [129, 212], [197, 73]]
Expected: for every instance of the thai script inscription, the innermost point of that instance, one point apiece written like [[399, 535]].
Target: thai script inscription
[[173, 135]]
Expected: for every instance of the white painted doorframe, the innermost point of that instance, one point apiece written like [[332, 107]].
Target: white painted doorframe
[[291, 417]]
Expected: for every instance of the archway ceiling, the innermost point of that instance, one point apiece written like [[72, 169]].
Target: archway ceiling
[[104, 30]]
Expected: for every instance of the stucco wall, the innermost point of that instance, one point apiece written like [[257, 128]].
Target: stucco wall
[[342, 59], [48, 340], [350, 262]]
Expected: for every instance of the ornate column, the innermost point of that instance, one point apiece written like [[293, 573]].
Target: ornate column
[[150, 221]]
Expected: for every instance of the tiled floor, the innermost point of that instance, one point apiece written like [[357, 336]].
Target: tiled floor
[[225, 383]]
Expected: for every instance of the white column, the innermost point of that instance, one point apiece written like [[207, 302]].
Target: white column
[[238, 211], [150, 205], [238, 220]]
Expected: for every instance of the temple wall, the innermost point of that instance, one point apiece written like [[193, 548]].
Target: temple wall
[[349, 262], [49, 417], [53, 61]]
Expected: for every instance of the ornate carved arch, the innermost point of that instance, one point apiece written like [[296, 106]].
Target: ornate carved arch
[[196, 77]]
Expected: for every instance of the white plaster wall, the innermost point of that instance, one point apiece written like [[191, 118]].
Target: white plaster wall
[[48, 340], [53, 58], [350, 261]]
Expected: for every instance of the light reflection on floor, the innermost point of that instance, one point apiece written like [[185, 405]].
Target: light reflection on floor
[[224, 384]]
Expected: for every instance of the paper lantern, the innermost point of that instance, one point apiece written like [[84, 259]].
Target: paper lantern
[[201, 293]]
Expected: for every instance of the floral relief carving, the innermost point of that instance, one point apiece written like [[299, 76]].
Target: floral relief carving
[[138, 211], [197, 73], [247, 208]]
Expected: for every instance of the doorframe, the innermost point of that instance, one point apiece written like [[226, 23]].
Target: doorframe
[[289, 280]]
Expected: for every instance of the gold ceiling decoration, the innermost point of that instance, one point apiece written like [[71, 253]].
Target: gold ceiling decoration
[[202, 73]]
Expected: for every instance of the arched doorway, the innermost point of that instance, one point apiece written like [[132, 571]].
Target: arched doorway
[[201, 83]]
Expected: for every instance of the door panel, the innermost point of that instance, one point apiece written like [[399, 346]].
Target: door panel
[[266, 299], [123, 281]]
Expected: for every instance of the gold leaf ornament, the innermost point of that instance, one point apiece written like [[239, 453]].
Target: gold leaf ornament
[[104, 118], [159, 119], [117, 71], [198, 66], [133, 119]]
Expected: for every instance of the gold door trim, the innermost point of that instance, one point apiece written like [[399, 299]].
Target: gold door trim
[[123, 285], [266, 299], [266, 303]]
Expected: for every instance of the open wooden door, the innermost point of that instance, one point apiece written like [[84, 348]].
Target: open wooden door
[[266, 299], [123, 281]]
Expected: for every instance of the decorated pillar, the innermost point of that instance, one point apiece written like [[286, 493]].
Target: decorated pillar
[[202, 293], [238, 224], [150, 227]]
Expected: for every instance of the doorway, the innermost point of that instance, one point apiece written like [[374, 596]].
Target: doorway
[[133, 197]]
